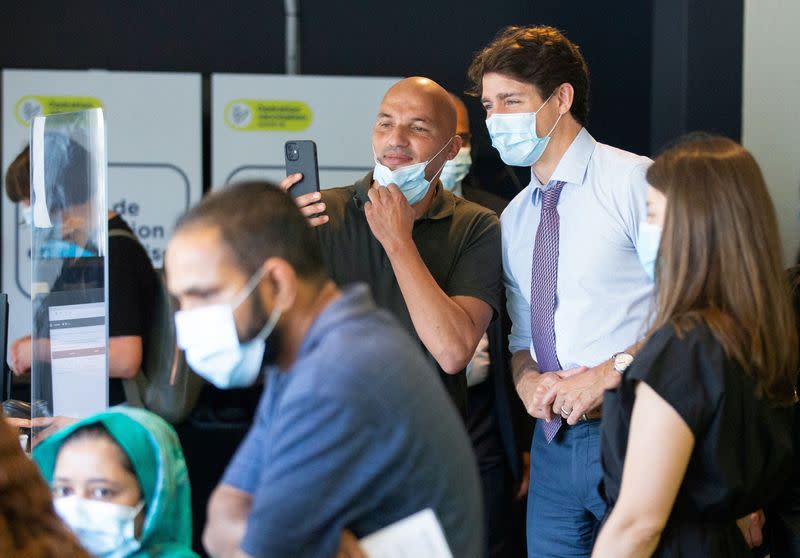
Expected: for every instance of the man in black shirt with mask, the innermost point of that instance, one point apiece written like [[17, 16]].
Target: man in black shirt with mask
[[430, 258]]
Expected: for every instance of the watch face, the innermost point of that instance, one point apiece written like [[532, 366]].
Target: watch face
[[622, 361]]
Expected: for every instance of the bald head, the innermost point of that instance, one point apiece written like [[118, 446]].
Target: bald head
[[416, 122], [425, 92]]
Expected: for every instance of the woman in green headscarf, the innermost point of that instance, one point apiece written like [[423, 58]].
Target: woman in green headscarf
[[120, 482]]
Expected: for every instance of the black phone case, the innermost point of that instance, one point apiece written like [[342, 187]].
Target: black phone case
[[301, 156]]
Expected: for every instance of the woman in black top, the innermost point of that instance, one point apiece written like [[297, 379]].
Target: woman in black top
[[698, 433], [132, 288]]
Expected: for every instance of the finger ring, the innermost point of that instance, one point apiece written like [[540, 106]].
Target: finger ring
[[584, 417], [566, 411]]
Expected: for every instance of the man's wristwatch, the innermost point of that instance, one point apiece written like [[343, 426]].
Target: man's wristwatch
[[622, 361]]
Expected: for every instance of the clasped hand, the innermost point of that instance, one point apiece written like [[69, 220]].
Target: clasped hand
[[570, 393]]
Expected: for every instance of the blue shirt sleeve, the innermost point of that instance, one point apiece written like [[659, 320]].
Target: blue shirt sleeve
[[317, 470], [519, 309], [636, 202], [243, 470]]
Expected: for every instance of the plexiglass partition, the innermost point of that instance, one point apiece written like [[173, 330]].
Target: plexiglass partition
[[69, 244]]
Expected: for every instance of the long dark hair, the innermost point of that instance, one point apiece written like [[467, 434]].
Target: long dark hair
[[720, 259]]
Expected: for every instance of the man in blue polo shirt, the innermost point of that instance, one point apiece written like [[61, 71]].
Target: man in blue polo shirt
[[344, 439]]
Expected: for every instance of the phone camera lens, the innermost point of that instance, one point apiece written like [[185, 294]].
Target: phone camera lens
[[292, 153]]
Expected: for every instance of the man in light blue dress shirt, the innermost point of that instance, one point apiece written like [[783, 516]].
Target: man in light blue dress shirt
[[591, 296]]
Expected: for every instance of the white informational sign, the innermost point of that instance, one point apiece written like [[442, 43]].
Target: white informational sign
[[154, 127], [78, 359], [416, 535], [770, 119], [254, 115]]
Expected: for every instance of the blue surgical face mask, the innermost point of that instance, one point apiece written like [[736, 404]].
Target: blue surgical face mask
[[26, 212], [409, 179], [213, 350], [514, 137], [455, 170], [647, 247], [52, 243], [62, 249], [105, 529]]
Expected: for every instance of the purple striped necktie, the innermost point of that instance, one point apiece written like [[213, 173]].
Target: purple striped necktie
[[544, 277]]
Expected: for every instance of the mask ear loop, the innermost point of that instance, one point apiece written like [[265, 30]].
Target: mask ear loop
[[433, 178], [557, 119], [270, 325], [134, 513], [545, 102], [137, 509], [246, 291], [554, 125], [248, 288]]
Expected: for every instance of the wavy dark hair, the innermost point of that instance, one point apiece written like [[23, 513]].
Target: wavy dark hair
[[539, 55]]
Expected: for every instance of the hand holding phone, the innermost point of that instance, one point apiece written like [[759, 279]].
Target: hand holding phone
[[301, 157], [302, 180]]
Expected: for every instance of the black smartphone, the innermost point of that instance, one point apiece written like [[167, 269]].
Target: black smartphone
[[301, 156]]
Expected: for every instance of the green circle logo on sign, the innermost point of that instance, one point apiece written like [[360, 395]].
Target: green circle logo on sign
[[257, 115], [28, 108], [239, 115]]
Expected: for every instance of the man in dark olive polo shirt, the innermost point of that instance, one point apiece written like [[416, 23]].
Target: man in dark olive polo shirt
[[431, 258]]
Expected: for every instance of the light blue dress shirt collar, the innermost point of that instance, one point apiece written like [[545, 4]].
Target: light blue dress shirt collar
[[572, 166]]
